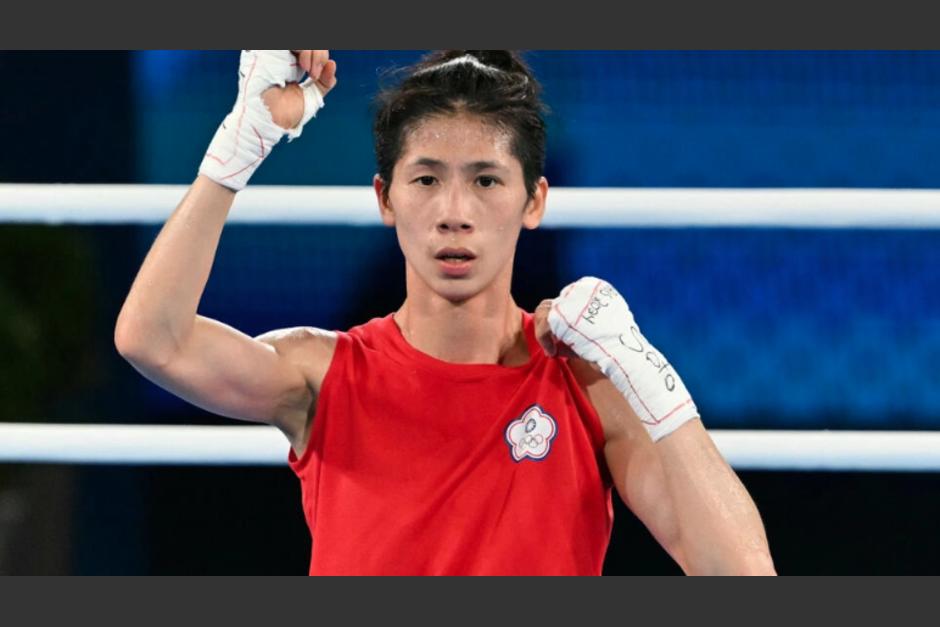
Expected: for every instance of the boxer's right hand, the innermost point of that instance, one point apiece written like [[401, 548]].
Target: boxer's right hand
[[286, 104], [268, 84]]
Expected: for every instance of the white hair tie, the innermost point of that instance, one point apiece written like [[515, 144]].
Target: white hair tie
[[467, 58]]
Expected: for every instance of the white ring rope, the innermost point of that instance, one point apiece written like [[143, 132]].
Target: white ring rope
[[266, 446], [567, 207]]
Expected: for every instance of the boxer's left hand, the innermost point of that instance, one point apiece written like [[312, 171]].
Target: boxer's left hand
[[591, 320]]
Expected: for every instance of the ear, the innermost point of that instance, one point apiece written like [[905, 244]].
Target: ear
[[385, 208], [535, 207]]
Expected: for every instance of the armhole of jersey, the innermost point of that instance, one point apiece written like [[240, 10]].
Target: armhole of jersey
[[593, 422], [334, 372]]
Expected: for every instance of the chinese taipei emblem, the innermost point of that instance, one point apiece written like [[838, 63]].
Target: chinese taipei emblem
[[531, 434]]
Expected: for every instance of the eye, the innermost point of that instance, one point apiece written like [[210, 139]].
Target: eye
[[488, 181], [425, 181]]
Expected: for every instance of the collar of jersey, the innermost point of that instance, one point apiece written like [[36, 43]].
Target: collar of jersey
[[413, 356]]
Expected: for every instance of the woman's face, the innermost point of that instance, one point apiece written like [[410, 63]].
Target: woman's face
[[458, 202]]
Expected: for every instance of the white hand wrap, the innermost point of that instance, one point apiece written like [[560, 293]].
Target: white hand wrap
[[248, 133], [593, 319]]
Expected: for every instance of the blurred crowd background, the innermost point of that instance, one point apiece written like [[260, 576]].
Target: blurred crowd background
[[771, 328]]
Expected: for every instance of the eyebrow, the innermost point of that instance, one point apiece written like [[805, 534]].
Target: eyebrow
[[475, 166]]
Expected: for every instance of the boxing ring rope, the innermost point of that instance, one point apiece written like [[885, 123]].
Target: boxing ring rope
[[266, 446], [567, 207]]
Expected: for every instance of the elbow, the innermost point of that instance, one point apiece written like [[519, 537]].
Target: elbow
[[125, 339], [137, 344], [129, 341]]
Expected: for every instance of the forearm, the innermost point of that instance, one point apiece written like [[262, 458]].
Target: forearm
[[719, 528], [160, 311], [160, 308], [686, 493]]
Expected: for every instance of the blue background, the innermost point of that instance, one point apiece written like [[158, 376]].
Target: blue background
[[779, 328], [785, 328]]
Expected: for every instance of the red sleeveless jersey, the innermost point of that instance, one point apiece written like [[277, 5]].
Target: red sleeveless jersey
[[416, 466]]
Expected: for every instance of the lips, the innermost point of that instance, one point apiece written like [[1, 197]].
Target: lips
[[455, 255], [455, 262]]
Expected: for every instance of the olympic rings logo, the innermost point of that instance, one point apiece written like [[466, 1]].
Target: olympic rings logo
[[532, 441], [531, 434]]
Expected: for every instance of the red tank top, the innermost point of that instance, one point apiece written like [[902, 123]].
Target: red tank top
[[416, 466]]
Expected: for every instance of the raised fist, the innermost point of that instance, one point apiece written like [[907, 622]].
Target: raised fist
[[286, 104], [271, 103]]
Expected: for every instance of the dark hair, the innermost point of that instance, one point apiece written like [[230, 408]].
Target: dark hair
[[494, 84]]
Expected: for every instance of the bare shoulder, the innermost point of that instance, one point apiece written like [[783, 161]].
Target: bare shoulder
[[309, 348], [298, 336]]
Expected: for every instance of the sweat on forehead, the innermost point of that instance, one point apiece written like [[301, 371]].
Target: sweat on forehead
[[460, 130]]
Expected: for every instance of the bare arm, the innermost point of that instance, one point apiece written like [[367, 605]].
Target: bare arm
[[680, 487], [720, 529], [159, 314], [273, 378]]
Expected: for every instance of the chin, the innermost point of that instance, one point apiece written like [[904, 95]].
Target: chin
[[456, 291]]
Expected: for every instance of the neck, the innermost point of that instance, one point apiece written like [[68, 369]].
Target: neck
[[484, 329]]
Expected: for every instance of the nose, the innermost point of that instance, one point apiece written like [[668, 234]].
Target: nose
[[456, 214], [454, 226]]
